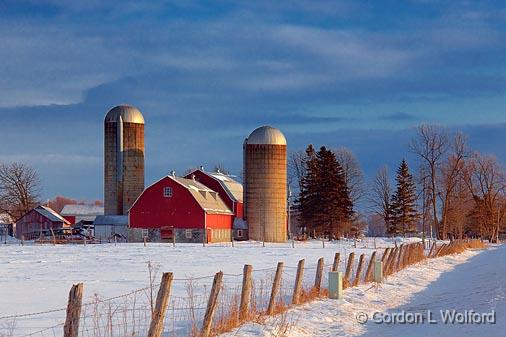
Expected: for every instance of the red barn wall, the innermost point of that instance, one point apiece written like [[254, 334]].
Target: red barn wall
[[153, 210], [219, 221]]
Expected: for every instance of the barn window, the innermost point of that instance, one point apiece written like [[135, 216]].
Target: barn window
[[167, 192], [188, 233], [239, 233]]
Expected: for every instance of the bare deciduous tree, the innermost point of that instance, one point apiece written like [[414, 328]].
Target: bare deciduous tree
[[296, 170], [430, 145], [486, 181], [354, 176], [381, 191], [451, 175], [19, 189]]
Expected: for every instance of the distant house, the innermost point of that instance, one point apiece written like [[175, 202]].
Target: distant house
[[39, 221], [76, 213], [184, 208]]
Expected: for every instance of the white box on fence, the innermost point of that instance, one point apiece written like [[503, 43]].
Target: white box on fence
[[336, 285], [378, 271]]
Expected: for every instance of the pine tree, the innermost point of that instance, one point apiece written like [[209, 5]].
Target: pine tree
[[324, 200], [308, 201], [403, 213]]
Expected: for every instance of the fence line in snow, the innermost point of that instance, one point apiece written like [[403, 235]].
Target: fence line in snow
[[220, 302]]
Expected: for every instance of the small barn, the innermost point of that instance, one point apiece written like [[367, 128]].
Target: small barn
[[39, 222], [184, 208], [110, 228], [77, 213]]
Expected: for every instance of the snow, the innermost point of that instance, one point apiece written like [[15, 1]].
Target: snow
[[473, 280], [38, 277]]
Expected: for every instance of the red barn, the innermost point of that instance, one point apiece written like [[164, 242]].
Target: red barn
[[185, 208], [39, 221], [230, 190]]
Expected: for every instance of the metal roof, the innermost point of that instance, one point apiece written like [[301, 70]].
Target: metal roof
[[50, 214], [208, 199], [125, 113], [233, 187], [82, 210], [266, 135]]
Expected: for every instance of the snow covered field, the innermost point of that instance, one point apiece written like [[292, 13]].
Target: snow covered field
[[473, 280], [37, 278]]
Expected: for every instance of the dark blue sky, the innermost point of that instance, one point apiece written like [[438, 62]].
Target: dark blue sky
[[359, 74]]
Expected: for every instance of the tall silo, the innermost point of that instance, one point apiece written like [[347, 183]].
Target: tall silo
[[265, 185], [123, 158]]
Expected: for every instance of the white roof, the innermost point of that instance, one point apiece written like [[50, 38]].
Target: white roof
[[82, 210], [50, 214], [230, 185]]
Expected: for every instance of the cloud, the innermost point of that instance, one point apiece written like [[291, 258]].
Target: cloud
[[205, 75], [398, 116]]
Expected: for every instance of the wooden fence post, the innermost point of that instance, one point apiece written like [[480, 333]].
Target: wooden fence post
[[319, 276], [298, 283], [247, 282], [276, 285], [406, 256], [71, 327], [337, 259], [370, 268], [211, 305], [431, 250], [359, 270], [162, 301], [347, 274], [402, 252], [385, 255], [390, 261]]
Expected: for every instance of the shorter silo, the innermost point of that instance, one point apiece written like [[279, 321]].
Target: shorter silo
[[265, 185]]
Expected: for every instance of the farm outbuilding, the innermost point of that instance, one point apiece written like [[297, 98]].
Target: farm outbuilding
[[77, 213], [38, 222], [184, 208]]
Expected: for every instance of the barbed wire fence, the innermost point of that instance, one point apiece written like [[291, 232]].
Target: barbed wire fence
[[213, 304]]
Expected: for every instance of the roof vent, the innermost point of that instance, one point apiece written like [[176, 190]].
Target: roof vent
[[173, 173], [202, 168]]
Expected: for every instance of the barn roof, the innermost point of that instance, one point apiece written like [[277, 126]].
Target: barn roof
[[233, 188], [82, 210], [50, 214], [208, 199]]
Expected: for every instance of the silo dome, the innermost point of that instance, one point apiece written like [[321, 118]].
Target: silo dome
[[127, 113], [267, 135]]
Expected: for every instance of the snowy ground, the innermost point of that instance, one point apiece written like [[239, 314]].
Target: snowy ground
[[473, 280], [38, 277]]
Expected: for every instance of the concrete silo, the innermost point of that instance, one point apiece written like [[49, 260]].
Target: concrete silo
[[265, 185], [123, 158]]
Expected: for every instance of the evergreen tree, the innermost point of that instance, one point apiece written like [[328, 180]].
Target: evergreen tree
[[403, 212], [324, 201], [308, 201]]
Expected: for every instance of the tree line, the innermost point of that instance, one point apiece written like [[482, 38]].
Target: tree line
[[454, 192]]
